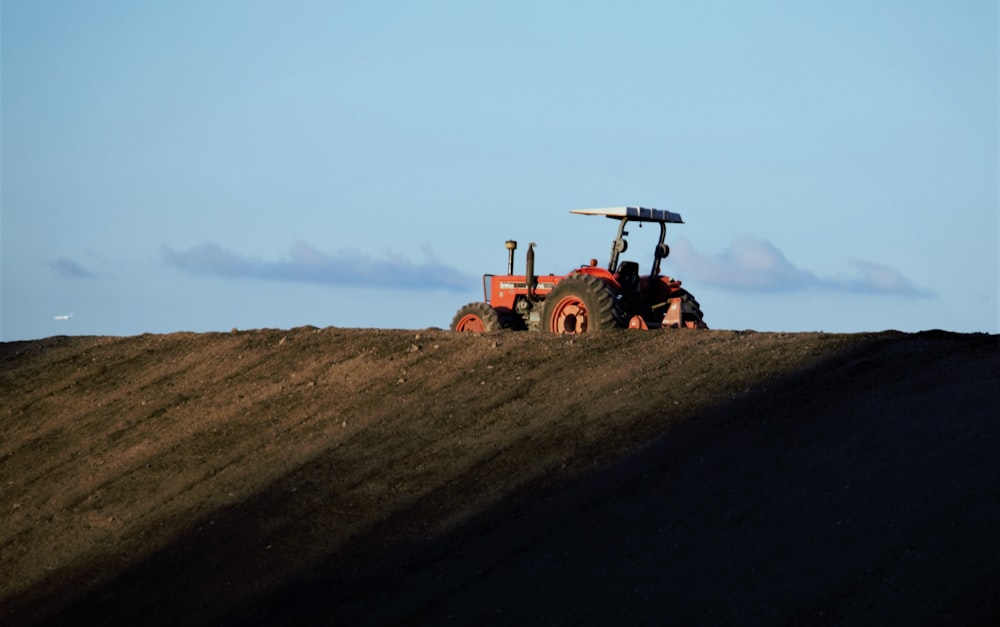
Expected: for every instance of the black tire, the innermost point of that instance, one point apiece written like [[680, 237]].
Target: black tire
[[694, 308], [582, 303], [476, 318]]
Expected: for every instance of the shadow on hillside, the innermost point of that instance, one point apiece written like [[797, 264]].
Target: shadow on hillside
[[864, 489]]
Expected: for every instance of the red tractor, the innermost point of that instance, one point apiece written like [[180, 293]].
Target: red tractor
[[589, 298]]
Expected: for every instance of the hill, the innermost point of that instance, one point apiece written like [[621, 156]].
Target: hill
[[354, 476]]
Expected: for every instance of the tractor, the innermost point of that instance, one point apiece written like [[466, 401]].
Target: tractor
[[589, 298]]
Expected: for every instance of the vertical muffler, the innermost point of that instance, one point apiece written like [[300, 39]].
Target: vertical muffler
[[529, 271]]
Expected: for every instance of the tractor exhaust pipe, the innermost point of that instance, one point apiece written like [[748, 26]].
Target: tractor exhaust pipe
[[529, 271], [511, 247]]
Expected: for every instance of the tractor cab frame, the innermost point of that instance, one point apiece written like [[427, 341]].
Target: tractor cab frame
[[624, 215]]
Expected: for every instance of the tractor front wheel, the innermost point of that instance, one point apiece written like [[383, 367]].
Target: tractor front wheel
[[581, 304], [476, 318]]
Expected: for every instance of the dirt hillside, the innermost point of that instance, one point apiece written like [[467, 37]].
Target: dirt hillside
[[352, 476]]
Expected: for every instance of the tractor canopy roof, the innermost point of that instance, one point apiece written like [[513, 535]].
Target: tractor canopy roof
[[638, 214]]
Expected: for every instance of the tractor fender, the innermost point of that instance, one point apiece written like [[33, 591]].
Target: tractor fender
[[600, 273]]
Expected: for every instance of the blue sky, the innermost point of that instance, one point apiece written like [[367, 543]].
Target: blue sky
[[203, 165]]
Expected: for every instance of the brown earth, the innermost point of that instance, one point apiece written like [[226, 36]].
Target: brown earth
[[350, 476]]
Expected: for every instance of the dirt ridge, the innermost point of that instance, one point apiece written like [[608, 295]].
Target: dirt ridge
[[239, 477]]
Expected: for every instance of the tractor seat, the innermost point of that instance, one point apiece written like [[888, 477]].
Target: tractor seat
[[628, 273]]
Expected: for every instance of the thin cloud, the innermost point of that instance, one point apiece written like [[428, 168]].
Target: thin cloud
[[876, 278], [306, 264], [757, 265], [67, 269]]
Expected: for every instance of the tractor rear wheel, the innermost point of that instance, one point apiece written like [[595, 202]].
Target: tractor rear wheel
[[582, 303], [692, 317], [476, 318]]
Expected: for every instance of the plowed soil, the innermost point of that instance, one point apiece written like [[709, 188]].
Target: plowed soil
[[353, 476]]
